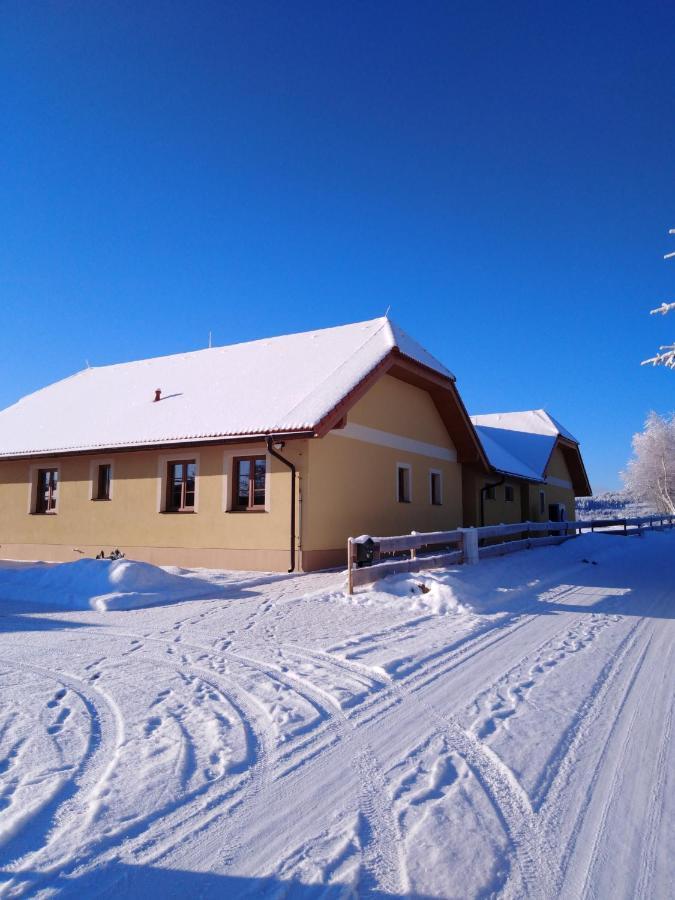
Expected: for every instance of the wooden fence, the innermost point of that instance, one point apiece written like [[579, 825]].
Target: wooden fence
[[433, 549]]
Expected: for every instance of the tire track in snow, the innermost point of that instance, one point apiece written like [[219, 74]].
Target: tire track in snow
[[622, 666], [174, 832], [507, 797], [591, 850], [151, 837], [511, 803], [383, 858], [89, 776], [655, 810], [377, 814]]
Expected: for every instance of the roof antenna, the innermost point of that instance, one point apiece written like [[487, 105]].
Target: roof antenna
[[386, 314], [209, 340]]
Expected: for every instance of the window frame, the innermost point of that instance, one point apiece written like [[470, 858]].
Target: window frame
[[94, 465], [490, 491], [252, 506], [435, 473], [542, 502], [168, 493], [407, 483], [509, 493], [51, 508]]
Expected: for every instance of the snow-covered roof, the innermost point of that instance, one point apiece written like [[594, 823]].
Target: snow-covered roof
[[279, 384], [520, 443], [532, 421]]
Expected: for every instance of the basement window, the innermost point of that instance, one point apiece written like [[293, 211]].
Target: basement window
[[181, 479], [403, 483], [508, 493], [435, 488], [47, 491], [248, 483]]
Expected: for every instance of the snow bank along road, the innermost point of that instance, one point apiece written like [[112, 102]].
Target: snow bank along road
[[507, 732]]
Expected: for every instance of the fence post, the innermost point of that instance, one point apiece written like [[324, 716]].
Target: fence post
[[350, 576], [470, 546], [413, 550]]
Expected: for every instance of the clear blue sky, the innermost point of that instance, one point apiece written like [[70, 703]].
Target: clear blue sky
[[501, 174]]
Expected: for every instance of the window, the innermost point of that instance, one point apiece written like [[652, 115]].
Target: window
[[47, 490], [435, 488], [542, 503], [103, 482], [403, 483], [248, 483], [490, 492], [508, 493], [180, 486]]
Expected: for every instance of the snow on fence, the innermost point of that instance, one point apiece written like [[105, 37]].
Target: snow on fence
[[432, 549]]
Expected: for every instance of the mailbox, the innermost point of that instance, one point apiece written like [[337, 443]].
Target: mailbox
[[365, 552]]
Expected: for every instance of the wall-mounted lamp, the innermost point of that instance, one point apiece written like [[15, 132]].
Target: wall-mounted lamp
[[279, 445]]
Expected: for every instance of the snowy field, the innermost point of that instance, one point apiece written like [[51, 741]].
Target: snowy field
[[504, 730]]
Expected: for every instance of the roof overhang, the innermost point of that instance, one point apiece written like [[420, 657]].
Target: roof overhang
[[443, 392], [161, 445], [575, 464]]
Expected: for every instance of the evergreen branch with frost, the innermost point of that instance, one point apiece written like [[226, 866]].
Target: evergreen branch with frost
[[667, 358], [666, 355], [662, 310]]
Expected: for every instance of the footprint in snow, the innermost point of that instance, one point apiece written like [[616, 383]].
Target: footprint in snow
[[60, 720], [57, 698]]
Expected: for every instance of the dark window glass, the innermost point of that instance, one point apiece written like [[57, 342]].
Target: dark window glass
[[436, 498], [249, 482], [180, 486], [259, 483], [103, 485], [542, 502], [490, 493], [403, 485], [243, 477], [508, 492], [190, 478], [47, 489]]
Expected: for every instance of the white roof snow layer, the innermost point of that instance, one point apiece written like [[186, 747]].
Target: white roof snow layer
[[277, 384], [519, 443]]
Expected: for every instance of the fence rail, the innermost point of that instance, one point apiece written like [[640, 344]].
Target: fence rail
[[467, 545]]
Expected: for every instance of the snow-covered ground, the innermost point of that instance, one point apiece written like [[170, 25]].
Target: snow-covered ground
[[505, 729]]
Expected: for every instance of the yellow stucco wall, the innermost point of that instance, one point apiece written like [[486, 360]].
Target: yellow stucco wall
[[132, 519], [395, 406], [500, 510], [352, 483], [526, 504], [557, 468]]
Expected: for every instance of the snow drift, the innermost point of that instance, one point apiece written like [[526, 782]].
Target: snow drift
[[100, 584]]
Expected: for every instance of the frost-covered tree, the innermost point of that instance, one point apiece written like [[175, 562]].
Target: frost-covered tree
[[650, 474], [666, 354]]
